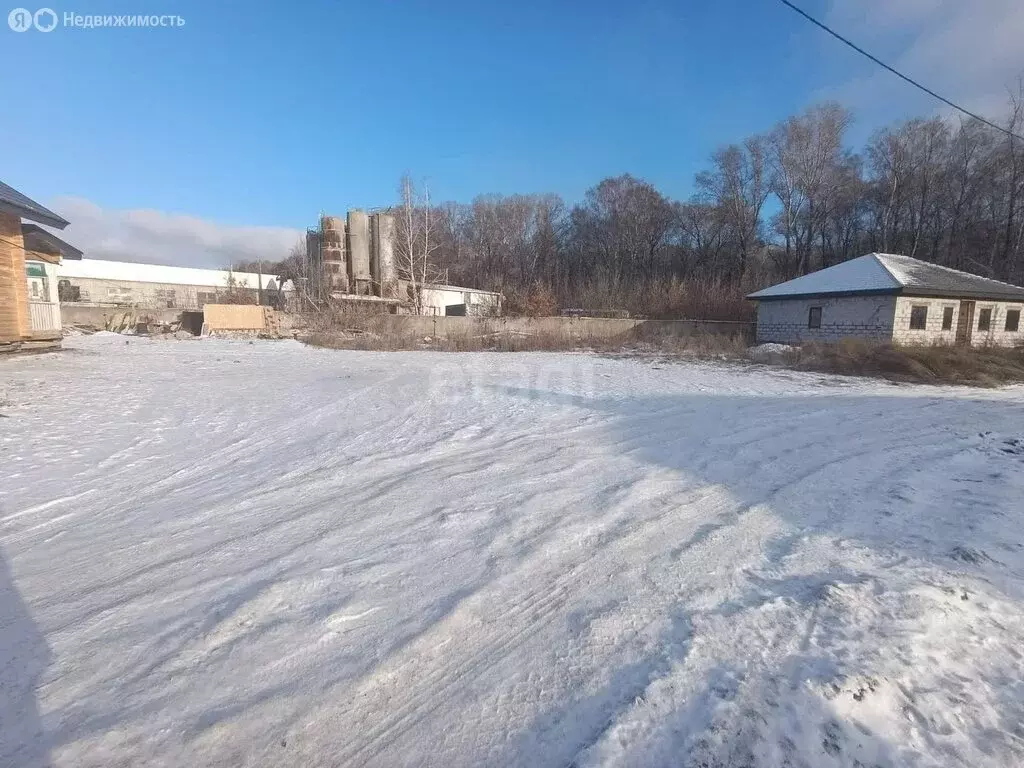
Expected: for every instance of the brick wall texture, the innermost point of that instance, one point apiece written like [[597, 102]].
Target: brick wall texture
[[865, 317], [881, 318], [14, 317], [997, 335]]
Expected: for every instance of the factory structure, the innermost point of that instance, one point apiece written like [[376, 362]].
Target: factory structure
[[354, 260], [101, 283]]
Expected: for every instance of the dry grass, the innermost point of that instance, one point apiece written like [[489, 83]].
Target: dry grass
[[391, 341], [696, 299], [536, 300], [988, 367], [985, 367], [636, 341], [366, 329]]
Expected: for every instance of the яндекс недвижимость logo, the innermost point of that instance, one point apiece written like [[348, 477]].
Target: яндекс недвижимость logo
[[22, 19], [46, 20]]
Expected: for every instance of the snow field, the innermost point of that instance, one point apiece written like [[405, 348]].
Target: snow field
[[222, 553]]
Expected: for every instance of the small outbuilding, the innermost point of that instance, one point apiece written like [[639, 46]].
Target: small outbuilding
[[29, 310], [889, 297], [453, 300]]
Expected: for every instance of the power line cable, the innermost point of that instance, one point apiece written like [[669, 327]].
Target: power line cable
[[26, 251], [898, 74]]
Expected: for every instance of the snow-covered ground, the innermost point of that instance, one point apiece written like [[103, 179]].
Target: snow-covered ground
[[223, 553]]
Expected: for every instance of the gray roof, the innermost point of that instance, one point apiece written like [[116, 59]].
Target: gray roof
[[38, 239], [12, 201], [890, 273]]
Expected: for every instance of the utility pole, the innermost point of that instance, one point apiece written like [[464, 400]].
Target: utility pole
[[259, 281]]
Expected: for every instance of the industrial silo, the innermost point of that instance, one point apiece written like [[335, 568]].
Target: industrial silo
[[314, 267], [332, 249], [384, 267], [359, 251]]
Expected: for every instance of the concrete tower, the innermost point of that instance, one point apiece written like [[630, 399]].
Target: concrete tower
[[332, 250], [384, 266], [359, 251]]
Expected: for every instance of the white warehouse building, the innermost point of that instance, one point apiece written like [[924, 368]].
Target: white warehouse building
[[454, 300], [100, 283], [889, 297]]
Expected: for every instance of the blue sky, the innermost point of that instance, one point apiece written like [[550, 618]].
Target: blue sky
[[262, 114]]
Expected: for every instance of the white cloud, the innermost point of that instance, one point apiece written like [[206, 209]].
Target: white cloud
[[156, 237], [969, 51]]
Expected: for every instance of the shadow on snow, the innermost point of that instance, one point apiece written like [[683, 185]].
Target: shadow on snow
[[905, 477], [24, 656]]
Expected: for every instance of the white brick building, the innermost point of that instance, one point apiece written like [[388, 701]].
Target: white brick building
[[888, 297]]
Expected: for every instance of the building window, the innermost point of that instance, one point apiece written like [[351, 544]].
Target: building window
[[38, 285], [68, 292], [1012, 320], [166, 297], [947, 318], [119, 295], [985, 319], [918, 318], [814, 317]]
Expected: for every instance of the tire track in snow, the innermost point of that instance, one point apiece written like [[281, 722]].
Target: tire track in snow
[[538, 606], [531, 611]]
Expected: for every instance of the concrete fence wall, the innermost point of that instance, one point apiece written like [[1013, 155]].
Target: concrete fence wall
[[577, 328], [248, 317]]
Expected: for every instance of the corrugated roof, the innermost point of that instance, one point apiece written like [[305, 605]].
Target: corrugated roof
[[129, 272], [891, 273], [27, 208]]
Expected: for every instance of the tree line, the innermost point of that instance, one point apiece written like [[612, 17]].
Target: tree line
[[774, 206]]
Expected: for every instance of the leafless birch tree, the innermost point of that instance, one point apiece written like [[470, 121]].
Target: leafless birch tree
[[417, 240]]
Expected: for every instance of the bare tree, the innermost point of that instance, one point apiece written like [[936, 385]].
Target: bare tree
[[808, 170], [416, 240], [1009, 250], [701, 240], [738, 187], [625, 225], [952, 194]]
